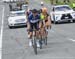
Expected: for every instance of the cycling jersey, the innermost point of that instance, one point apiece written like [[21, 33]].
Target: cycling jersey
[[43, 17], [33, 19]]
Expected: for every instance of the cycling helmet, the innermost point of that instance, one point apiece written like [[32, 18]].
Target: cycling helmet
[[42, 3], [34, 11]]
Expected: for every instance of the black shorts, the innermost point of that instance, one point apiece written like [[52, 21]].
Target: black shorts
[[34, 26]]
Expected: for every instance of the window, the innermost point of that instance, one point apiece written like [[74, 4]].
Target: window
[[62, 8]]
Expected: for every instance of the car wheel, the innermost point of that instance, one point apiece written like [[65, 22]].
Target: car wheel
[[74, 20], [71, 21]]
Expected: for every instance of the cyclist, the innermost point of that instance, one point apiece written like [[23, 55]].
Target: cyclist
[[33, 22], [28, 12], [42, 3], [46, 22], [28, 26]]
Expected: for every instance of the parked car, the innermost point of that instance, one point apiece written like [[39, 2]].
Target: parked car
[[61, 13], [8, 1], [17, 18]]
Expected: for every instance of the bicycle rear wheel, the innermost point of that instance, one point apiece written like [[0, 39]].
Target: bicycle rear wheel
[[45, 41], [40, 41]]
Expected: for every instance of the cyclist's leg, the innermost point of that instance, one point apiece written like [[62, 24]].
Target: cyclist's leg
[[31, 29], [42, 29], [28, 28], [40, 24], [30, 38], [48, 24], [36, 26]]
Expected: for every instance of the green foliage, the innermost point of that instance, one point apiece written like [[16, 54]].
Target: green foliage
[[60, 2], [47, 1]]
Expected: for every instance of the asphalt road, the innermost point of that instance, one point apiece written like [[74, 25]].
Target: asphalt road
[[61, 41]]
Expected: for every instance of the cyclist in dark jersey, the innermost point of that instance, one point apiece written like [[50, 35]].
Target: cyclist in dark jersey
[[33, 20]]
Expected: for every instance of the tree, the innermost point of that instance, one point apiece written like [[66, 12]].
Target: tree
[[26, 1], [66, 1], [56, 1], [52, 1]]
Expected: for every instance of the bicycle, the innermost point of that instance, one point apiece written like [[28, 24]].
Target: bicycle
[[41, 40], [44, 36], [34, 40]]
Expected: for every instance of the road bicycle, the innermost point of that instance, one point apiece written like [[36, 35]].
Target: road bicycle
[[42, 39], [34, 41]]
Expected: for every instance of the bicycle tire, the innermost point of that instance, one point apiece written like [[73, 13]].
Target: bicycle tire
[[40, 41], [45, 40], [34, 45]]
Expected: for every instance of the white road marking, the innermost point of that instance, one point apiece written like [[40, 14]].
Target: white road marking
[[1, 34], [72, 39]]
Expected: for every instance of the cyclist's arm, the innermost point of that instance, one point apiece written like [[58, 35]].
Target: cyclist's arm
[[28, 22]]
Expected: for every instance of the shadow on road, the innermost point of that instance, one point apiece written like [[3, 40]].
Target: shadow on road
[[64, 23], [18, 27]]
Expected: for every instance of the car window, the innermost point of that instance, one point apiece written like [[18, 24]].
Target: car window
[[62, 8], [17, 13], [16, 9], [20, 13]]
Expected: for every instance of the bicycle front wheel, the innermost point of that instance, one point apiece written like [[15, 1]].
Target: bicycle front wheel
[[34, 45]]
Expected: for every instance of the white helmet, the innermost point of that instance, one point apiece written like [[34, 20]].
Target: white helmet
[[42, 3]]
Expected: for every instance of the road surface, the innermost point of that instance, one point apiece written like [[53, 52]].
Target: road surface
[[61, 40]]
